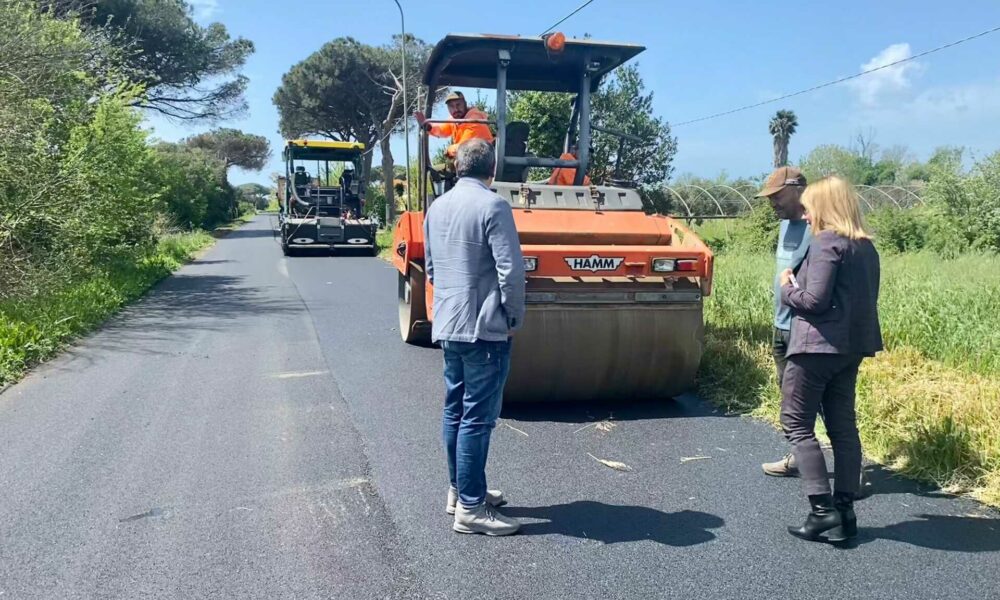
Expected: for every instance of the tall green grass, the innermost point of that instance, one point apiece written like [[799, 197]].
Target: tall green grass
[[929, 405], [949, 310], [33, 329]]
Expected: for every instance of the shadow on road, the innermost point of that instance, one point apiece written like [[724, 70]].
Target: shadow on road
[[940, 532], [613, 524], [248, 232], [686, 406], [177, 308], [307, 253]]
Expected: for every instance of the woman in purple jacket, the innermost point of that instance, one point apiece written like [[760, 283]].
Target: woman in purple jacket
[[833, 297]]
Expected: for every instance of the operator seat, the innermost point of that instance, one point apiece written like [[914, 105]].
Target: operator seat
[[516, 145]]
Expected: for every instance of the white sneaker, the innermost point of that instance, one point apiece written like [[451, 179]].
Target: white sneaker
[[484, 519], [493, 497]]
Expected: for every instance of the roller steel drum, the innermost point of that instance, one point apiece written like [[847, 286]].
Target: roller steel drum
[[608, 353]]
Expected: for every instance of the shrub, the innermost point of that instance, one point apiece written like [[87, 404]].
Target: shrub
[[898, 230], [192, 187]]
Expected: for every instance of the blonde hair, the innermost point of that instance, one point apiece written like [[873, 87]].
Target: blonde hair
[[832, 204]]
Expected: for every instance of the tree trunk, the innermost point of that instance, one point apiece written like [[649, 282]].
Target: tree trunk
[[366, 167], [780, 151], [388, 174]]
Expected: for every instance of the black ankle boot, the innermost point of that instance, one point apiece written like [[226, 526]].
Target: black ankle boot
[[823, 518], [844, 503]]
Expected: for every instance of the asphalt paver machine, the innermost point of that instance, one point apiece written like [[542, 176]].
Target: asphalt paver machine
[[321, 198]]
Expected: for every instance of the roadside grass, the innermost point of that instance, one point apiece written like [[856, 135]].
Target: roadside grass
[[384, 240], [240, 221], [34, 329], [928, 407]]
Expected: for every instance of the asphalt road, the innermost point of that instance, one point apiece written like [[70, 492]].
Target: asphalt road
[[254, 428]]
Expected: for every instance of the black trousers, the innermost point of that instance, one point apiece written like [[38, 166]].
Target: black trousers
[[779, 346], [827, 382]]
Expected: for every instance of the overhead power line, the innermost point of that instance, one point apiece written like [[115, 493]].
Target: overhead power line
[[567, 17], [836, 81]]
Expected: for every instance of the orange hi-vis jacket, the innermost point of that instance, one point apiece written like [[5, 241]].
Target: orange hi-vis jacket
[[563, 176], [463, 132]]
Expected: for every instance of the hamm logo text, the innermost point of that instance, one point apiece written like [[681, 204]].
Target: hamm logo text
[[594, 263]]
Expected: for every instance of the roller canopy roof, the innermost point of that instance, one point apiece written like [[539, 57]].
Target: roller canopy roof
[[470, 60]]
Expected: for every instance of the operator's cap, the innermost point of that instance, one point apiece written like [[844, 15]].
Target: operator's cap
[[454, 96], [781, 178]]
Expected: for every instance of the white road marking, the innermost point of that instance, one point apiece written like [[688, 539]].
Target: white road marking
[[295, 375]]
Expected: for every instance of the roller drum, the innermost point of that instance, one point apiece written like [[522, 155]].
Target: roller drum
[[607, 353]]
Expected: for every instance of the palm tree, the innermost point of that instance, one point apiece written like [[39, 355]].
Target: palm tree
[[783, 125]]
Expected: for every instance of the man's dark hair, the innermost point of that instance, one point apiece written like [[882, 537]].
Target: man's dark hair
[[475, 158]]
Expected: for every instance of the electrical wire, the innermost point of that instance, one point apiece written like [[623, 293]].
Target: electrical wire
[[567, 17], [836, 81]]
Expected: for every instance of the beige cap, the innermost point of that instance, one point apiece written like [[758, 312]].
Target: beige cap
[[781, 177]]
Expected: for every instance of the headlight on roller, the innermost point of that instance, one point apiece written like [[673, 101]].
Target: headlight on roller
[[530, 263], [663, 265]]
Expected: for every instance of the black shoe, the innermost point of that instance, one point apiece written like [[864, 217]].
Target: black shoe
[[823, 518], [844, 503]]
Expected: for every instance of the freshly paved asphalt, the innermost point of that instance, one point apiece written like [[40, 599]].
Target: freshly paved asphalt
[[254, 428]]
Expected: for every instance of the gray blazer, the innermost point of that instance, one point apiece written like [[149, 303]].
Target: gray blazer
[[473, 258], [835, 307]]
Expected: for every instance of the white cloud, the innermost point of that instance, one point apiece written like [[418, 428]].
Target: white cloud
[[204, 9], [966, 114], [971, 102], [875, 86]]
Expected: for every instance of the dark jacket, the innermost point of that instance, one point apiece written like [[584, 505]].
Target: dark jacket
[[835, 307]]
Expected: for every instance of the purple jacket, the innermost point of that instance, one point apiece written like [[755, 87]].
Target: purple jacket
[[835, 307]]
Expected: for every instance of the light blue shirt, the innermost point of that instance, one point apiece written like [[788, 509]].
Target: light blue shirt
[[473, 257], [793, 242]]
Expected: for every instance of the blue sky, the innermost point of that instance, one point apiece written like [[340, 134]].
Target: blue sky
[[702, 57]]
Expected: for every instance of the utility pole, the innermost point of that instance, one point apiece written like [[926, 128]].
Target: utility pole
[[406, 117]]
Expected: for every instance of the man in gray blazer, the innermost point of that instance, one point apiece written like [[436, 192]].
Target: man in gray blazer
[[473, 259]]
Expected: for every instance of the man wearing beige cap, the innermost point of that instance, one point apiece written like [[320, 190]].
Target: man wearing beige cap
[[784, 190], [459, 132]]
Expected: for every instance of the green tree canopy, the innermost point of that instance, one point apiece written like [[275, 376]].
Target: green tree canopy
[[547, 114], [254, 193], [352, 91], [234, 148], [621, 104], [188, 71], [858, 168]]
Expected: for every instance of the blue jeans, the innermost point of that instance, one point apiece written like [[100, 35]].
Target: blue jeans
[[474, 377]]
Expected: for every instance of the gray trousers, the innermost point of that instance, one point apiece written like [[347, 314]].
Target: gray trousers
[[814, 382]]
